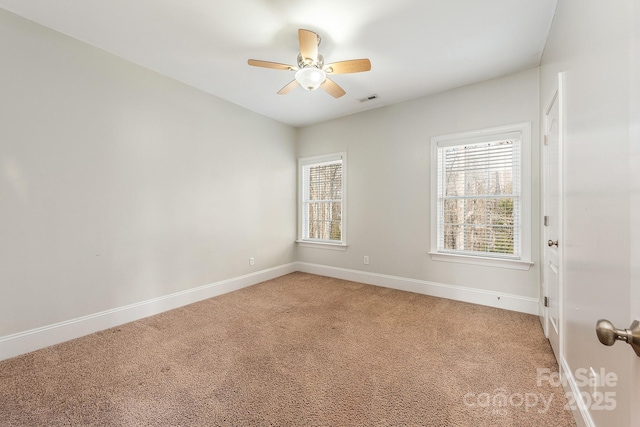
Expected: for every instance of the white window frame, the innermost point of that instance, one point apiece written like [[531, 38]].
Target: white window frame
[[478, 136], [302, 239]]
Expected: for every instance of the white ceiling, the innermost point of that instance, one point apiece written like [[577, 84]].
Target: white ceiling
[[416, 47]]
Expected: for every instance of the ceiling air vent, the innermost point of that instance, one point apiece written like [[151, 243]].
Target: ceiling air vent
[[368, 98]]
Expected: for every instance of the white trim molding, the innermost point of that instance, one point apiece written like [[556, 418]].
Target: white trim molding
[[321, 245], [459, 293], [514, 264], [578, 407], [35, 339]]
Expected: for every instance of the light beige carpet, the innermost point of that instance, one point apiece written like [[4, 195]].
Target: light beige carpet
[[300, 350]]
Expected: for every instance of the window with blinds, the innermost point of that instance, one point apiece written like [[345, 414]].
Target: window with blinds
[[322, 199], [479, 197]]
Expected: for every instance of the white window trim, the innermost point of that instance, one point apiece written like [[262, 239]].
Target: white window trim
[[524, 263], [323, 244]]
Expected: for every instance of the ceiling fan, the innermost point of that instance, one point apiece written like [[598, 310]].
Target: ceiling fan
[[311, 72]]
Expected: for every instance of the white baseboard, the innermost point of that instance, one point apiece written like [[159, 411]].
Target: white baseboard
[[34, 339], [581, 415], [458, 293]]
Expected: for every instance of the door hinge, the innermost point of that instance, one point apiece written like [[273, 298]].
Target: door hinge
[[546, 220], [546, 140], [546, 301]]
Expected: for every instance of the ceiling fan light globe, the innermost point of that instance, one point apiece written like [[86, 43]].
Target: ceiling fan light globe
[[310, 78]]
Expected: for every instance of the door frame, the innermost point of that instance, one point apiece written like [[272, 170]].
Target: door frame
[[557, 94]]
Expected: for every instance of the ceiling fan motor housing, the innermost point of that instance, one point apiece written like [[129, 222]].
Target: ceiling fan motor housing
[[304, 62]]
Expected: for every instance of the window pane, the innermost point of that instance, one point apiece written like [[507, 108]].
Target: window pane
[[453, 237], [325, 182], [325, 230], [479, 225], [325, 220], [480, 169]]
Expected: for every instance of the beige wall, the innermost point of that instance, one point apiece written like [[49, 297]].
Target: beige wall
[[388, 180], [118, 185]]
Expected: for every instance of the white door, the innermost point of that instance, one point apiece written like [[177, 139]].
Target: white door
[[635, 302], [634, 149], [552, 228], [628, 294]]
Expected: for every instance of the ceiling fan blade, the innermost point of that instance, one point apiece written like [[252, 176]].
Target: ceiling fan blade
[[289, 87], [308, 44], [274, 65], [346, 67], [332, 88]]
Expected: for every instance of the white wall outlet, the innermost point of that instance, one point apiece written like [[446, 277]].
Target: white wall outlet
[[366, 260], [252, 261]]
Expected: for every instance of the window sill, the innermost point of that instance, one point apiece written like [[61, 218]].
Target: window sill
[[514, 264], [322, 245]]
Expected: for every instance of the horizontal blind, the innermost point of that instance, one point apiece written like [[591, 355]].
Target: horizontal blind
[[479, 198]]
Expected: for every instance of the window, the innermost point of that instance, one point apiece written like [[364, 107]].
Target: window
[[322, 199], [480, 197]]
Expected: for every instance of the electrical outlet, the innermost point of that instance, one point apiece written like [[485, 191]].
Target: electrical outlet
[[252, 261], [366, 260]]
